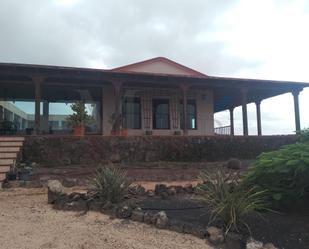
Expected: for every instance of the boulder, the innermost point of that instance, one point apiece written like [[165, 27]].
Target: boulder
[[78, 205], [171, 190], [124, 212], [234, 241], [150, 193], [137, 190], [149, 218], [55, 190], [160, 188], [214, 235], [137, 215], [254, 244], [162, 220], [233, 163], [269, 246]]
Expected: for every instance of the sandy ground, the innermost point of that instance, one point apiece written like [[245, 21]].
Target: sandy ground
[[27, 222]]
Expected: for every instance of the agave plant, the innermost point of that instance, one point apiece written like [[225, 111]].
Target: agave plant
[[227, 199], [110, 185]]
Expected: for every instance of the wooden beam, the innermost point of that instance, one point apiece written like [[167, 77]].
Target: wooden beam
[[244, 94], [258, 117], [101, 111], [37, 80], [232, 121], [117, 85], [184, 89], [296, 110]]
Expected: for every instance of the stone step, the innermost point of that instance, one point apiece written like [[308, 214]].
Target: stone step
[[8, 155], [9, 149], [2, 177], [4, 169], [11, 144], [11, 139], [6, 162]]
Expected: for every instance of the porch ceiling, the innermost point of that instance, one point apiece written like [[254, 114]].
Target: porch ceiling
[[227, 91]]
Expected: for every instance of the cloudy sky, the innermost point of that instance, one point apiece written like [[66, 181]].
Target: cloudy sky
[[265, 39]]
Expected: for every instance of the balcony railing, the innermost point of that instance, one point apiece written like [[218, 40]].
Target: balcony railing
[[223, 130]]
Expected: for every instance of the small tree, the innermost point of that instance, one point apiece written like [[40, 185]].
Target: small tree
[[80, 116]]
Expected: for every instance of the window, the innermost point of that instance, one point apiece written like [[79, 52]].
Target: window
[[131, 113], [161, 114], [191, 114]]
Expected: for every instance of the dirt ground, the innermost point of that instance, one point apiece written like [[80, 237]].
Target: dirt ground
[[27, 222]]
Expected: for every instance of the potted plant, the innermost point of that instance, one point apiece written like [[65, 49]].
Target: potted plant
[[79, 118]]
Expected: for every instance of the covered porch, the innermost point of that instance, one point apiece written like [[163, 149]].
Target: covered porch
[[148, 103]]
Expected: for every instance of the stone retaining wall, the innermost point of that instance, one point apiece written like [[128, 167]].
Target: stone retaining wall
[[67, 150]]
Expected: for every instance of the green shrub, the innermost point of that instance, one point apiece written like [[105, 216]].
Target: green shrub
[[228, 200], [283, 173], [110, 185]]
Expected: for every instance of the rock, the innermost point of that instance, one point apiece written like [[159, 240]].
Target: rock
[[149, 218], [77, 196], [214, 235], [269, 246], [160, 188], [124, 212], [254, 244], [150, 193], [137, 190], [171, 191], [69, 182], [162, 220], [44, 180], [137, 215], [233, 163], [55, 190], [79, 205], [234, 241]]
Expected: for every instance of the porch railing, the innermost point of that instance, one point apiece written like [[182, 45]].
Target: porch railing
[[223, 130]]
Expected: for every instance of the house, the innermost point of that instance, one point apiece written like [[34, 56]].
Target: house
[[151, 97]]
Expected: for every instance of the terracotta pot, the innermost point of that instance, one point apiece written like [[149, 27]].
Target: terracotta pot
[[124, 132], [79, 130], [114, 133]]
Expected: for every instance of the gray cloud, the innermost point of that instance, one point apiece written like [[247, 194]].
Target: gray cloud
[[114, 33]]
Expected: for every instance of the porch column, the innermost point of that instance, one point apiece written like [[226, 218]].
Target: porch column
[[45, 116], [117, 92], [296, 110], [232, 120], [38, 80], [258, 117], [244, 92], [184, 89], [1, 113], [101, 110]]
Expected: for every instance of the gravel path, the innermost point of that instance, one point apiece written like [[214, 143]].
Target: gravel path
[[27, 222]]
